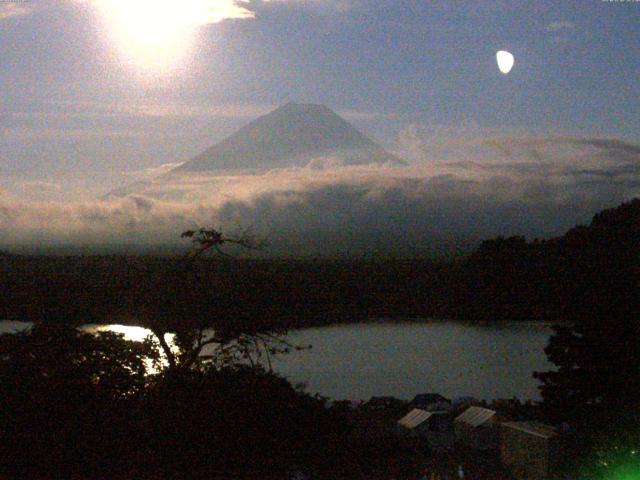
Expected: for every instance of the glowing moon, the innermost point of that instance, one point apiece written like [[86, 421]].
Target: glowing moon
[[505, 61], [155, 34]]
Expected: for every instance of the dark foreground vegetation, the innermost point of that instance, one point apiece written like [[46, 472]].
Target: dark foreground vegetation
[[78, 405], [503, 279]]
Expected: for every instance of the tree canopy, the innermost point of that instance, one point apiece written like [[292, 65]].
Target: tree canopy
[[596, 352]]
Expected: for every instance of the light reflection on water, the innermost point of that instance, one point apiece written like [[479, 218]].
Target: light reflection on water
[[139, 334], [135, 334], [131, 333]]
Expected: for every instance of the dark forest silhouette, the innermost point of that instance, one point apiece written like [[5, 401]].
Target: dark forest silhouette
[[503, 279], [74, 404], [595, 388]]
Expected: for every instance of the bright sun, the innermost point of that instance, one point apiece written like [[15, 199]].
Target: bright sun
[[152, 33]]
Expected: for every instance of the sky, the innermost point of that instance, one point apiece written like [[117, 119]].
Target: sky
[[96, 94]]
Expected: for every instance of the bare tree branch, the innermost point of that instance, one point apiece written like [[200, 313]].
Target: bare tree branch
[[165, 348], [207, 239]]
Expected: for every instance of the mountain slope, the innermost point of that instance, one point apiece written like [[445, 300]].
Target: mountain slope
[[292, 135]]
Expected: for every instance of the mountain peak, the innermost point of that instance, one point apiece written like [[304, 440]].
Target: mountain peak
[[305, 108], [294, 134]]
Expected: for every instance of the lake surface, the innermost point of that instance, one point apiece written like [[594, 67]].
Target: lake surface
[[403, 359], [454, 359]]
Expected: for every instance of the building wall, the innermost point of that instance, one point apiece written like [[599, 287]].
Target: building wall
[[527, 456], [440, 440], [436, 438], [484, 437]]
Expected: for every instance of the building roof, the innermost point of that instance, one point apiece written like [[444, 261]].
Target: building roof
[[382, 399], [427, 398], [414, 418], [463, 400], [533, 428], [475, 416]]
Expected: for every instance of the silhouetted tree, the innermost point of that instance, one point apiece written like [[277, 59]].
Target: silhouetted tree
[[204, 333], [205, 240], [60, 392], [597, 352]]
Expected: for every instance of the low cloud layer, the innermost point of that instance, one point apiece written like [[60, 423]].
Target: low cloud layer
[[457, 190]]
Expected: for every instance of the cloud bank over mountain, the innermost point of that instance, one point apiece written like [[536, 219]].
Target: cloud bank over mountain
[[456, 190]]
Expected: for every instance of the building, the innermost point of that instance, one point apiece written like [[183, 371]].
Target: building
[[431, 402], [385, 403], [460, 403], [477, 428], [530, 450], [436, 428]]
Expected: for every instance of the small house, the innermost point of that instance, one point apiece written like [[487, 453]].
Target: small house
[[385, 403], [530, 450], [464, 402], [436, 428], [430, 402], [477, 428]]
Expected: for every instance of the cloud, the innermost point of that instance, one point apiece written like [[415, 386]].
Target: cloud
[[214, 11], [189, 12], [37, 190], [455, 192], [152, 172], [40, 186], [35, 133], [15, 9], [168, 109], [206, 12], [186, 12]]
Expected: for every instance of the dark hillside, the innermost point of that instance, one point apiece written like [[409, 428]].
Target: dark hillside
[[503, 279]]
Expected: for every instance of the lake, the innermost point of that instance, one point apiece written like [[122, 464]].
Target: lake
[[357, 361]]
